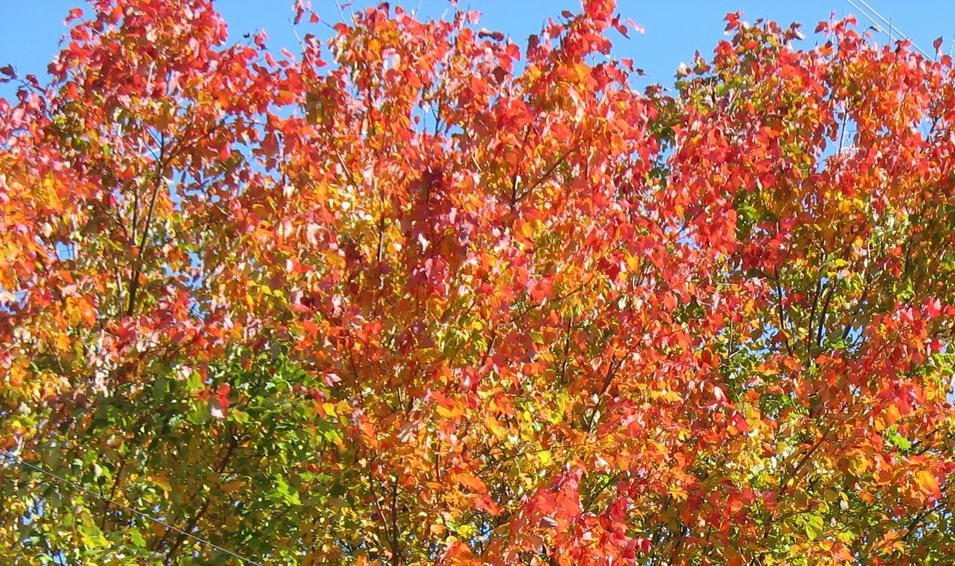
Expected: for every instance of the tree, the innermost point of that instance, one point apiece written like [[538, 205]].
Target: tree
[[419, 295]]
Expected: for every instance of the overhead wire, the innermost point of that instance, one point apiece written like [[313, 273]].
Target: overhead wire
[[885, 21]]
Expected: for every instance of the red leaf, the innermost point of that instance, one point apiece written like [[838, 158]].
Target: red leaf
[[495, 35], [219, 401], [732, 20], [621, 28], [739, 423], [540, 289], [74, 14], [260, 39]]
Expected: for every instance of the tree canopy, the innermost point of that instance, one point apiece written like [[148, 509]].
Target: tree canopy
[[421, 294]]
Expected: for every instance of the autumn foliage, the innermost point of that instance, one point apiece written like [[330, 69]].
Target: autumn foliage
[[421, 294]]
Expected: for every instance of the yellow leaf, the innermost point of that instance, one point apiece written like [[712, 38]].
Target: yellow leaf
[[449, 413], [162, 481], [494, 426], [927, 482], [892, 414]]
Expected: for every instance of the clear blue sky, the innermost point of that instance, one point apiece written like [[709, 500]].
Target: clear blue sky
[[30, 29]]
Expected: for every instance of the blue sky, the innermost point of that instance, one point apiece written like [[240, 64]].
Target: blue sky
[[30, 29]]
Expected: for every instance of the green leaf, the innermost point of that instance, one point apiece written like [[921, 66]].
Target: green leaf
[[814, 526], [137, 537]]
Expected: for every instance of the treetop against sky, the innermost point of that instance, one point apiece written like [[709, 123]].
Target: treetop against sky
[[30, 31]]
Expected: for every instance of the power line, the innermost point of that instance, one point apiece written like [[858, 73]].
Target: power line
[[79, 487], [885, 21]]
